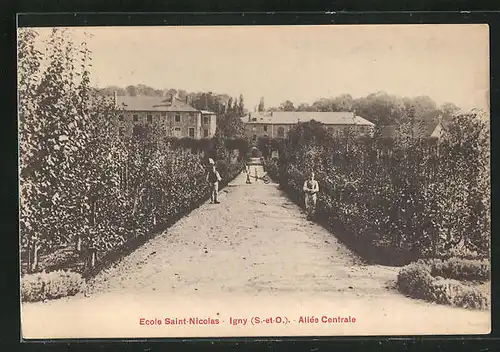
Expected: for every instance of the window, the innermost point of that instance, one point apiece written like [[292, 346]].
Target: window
[[120, 117], [163, 114], [362, 129], [254, 129], [191, 132], [177, 132], [254, 137], [265, 128], [136, 117], [205, 133], [150, 118], [254, 119], [346, 131], [206, 120], [281, 132], [177, 117]]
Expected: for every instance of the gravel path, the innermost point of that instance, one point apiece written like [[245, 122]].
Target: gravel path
[[255, 253]]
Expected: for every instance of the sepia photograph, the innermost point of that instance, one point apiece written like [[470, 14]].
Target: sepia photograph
[[254, 181]]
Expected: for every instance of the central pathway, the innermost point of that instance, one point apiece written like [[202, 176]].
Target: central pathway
[[254, 252]]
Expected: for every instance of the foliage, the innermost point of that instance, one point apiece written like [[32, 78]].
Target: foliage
[[81, 184], [438, 281], [422, 198], [56, 284], [380, 108]]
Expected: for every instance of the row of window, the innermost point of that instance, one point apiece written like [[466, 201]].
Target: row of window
[[361, 129], [177, 118], [177, 132]]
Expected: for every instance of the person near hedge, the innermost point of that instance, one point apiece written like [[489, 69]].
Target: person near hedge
[[213, 178], [247, 170], [311, 189]]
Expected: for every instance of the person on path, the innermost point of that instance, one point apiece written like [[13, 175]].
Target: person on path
[[311, 189], [247, 170], [213, 178]]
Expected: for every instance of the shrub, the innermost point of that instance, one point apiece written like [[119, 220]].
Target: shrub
[[415, 280], [461, 269], [56, 284], [436, 281]]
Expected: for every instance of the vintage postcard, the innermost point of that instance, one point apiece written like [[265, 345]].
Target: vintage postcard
[[234, 181]]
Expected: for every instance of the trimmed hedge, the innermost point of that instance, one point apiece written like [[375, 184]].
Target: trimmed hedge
[[396, 202], [56, 284], [438, 281]]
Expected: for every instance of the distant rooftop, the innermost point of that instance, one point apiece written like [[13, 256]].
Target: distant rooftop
[[145, 103], [293, 117]]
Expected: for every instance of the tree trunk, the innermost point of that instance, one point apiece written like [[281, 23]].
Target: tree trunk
[[34, 260], [93, 258], [136, 201], [79, 244]]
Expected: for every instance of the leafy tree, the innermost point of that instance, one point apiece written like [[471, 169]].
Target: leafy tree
[[287, 106], [261, 105], [241, 106], [131, 90]]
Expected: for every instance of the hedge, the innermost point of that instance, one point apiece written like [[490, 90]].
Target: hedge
[[442, 282], [56, 284], [149, 188], [398, 201]]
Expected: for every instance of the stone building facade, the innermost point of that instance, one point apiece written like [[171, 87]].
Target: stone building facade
[[277, 124], [175, 118]]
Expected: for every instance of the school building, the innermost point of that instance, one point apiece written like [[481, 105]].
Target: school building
[[276, 124]]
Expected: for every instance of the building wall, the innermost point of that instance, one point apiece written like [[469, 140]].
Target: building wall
[[165, 121], [208, 126], [273, 130]]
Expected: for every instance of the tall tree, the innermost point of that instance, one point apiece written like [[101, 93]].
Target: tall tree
[[241, 106], [261, 105]]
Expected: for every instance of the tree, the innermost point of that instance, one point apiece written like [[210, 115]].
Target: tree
[[241, 106], [448, 110], [131, 90], [287, 106], [261, 105], [229, 106], [304, 107]]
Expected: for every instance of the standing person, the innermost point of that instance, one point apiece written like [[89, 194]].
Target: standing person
[[247, 170], [213, 178], [311, 188]]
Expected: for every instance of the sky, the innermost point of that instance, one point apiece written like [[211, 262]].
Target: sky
[[449, 63]]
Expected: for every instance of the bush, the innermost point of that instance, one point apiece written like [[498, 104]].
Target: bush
[[438, 281], [56, 284], [461, 269]]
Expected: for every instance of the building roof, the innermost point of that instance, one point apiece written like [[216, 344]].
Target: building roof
[[293, 117], [206, 112], [145, 103], [423, 130]]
